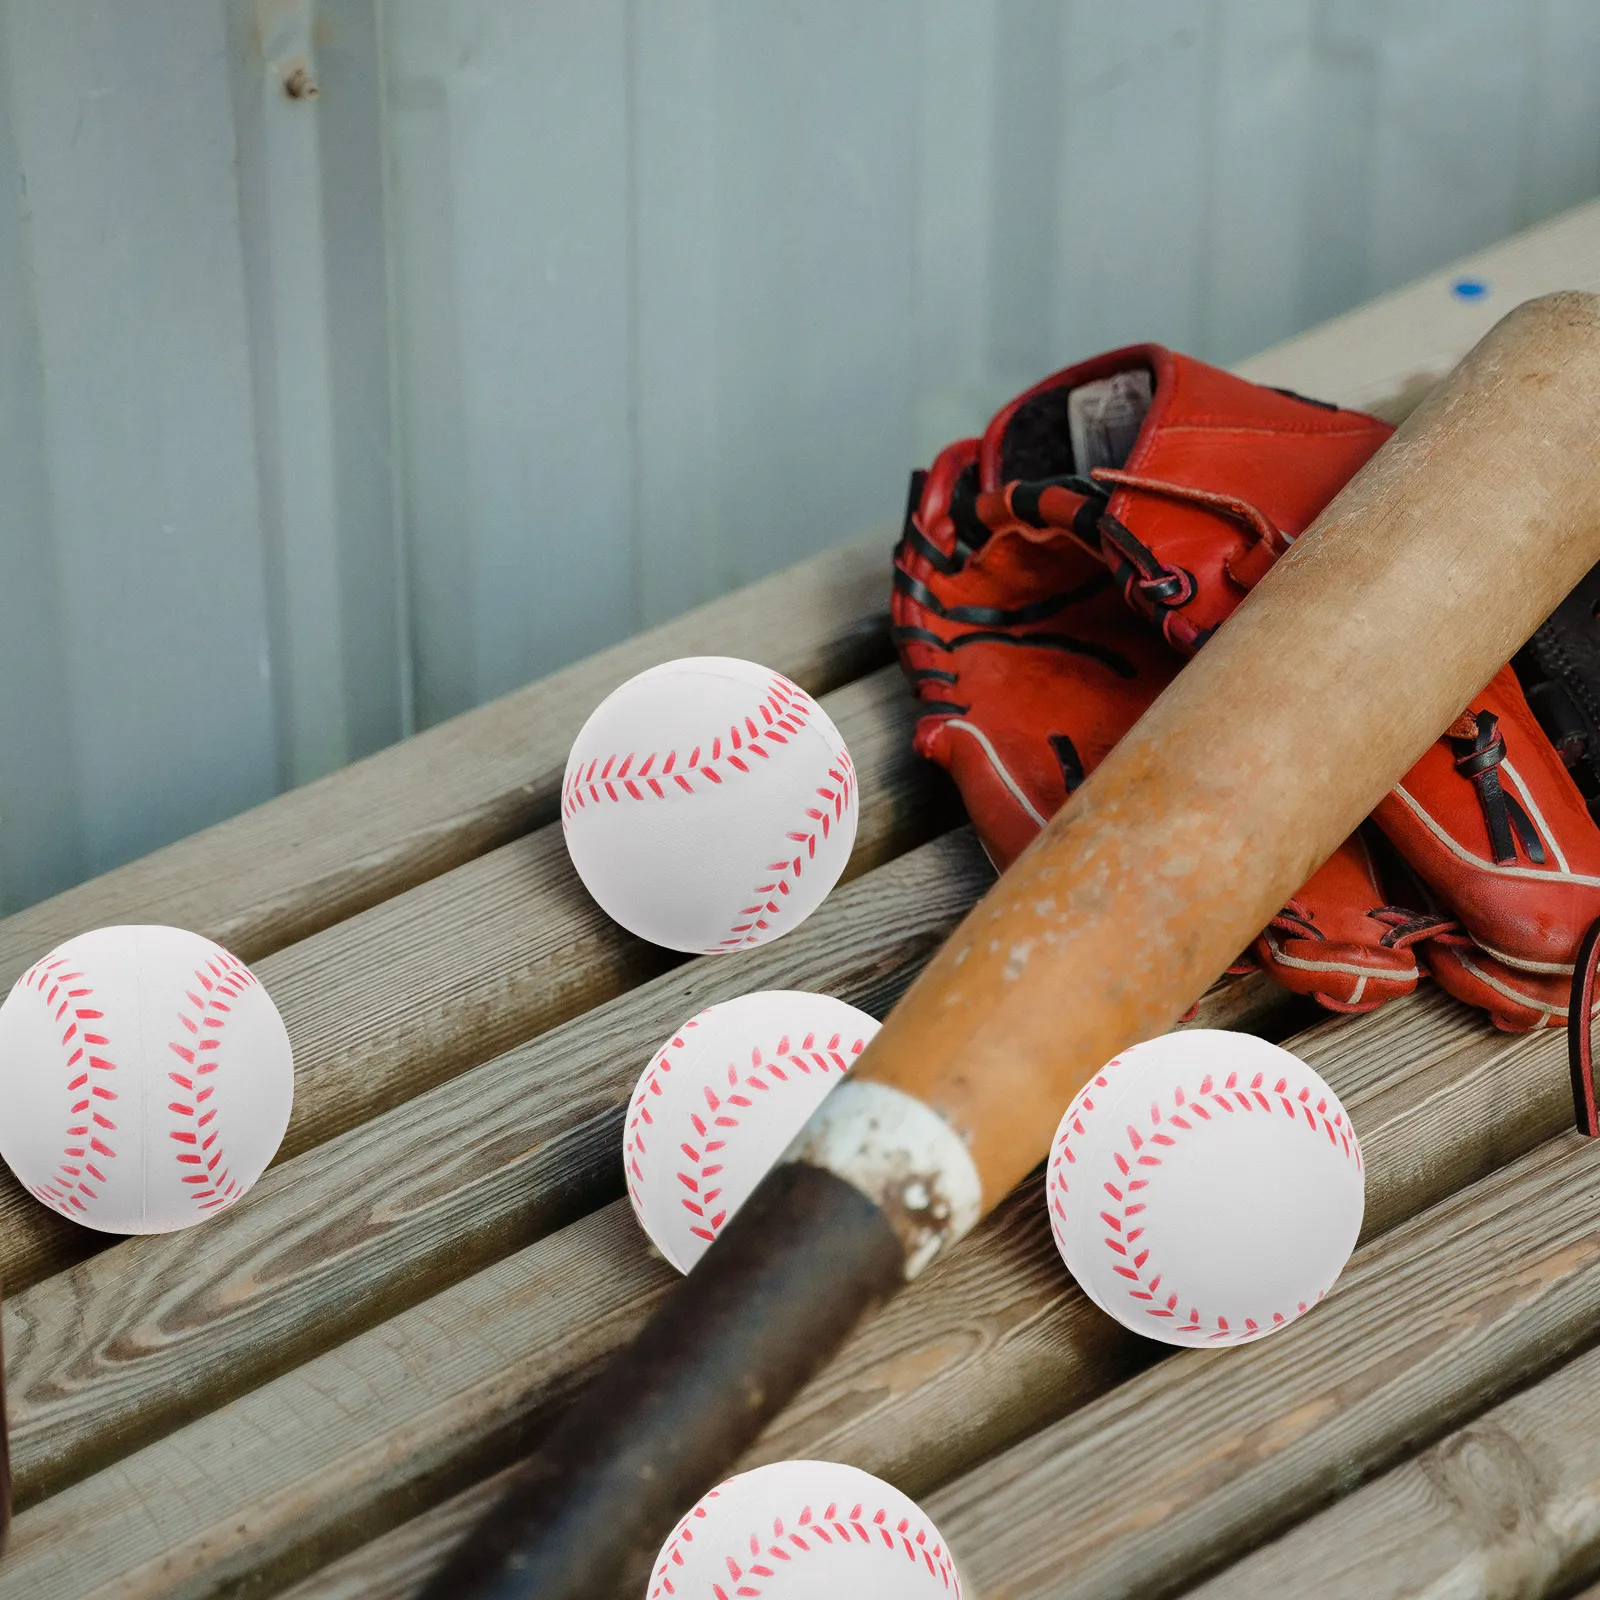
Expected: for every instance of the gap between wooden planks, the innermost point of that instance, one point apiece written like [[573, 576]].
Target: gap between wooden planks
[[470, 963], [319, 854], [207, 871], [1506, 1508], [157, 1329], [998, 1340], [1210, 1452], [324, 852], [400, 1417], [395, 1565]]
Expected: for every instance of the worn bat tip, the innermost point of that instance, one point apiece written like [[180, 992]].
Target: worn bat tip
[[1552, 319]]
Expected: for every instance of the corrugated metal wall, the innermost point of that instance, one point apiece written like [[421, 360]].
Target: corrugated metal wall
[[325, 415]]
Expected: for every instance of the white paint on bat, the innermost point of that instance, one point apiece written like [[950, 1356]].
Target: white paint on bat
[[904, 1157]]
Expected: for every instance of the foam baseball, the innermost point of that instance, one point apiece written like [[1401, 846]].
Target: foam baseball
[[145, 1079], [721, 1100], [798, 1529], [709, 804], [1205, 1188]]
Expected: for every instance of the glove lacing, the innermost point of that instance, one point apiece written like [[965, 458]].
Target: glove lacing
[[1149, 585], [1479, 750]]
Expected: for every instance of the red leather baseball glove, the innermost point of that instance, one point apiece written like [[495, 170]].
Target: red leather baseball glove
[[1184, 484], [1489, 819], [1028, 665]]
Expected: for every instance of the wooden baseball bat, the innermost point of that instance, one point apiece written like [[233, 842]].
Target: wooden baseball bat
[[1355, 652]]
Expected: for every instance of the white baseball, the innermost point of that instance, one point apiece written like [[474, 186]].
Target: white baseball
[[721, 1100], [709, 804], [145, 1079], [1205, 1188], [799, 1529]]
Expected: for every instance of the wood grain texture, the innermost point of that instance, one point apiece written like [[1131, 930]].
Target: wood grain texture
[[273, 1484], [301, 862], [1000, 1341], [130, 1350], [925, 1390], [316, 855], [1211, 1452], [1507, 1508], [395, 1565], [1223, 799], [409, 994], [155, 1330]]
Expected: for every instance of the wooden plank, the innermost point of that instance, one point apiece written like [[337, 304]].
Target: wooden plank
[[156, 1330], [310, 858], [1385, 355], [2, 929], [408, 1413], [1000, 1341], [1008, 1342], [1210, 1452], [459, 1380], [1506, 1508], [395, 1565], [449, 974]]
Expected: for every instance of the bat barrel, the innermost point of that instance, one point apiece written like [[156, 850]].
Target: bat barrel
[[1360, 647], [1428, 571], [780, 1289]]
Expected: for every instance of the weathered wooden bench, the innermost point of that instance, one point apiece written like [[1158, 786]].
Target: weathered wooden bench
[[316, 1393]]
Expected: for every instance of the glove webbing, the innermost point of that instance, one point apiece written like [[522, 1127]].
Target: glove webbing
[[1149, 585]]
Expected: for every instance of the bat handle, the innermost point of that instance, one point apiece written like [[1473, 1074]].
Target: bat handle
[[781, 1288]]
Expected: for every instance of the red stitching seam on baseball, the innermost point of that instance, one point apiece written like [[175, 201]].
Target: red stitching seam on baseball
[[746, 1577], [842, 772], [721, 1116], [219, 981], [84, 1144], [1142, 1152], [639, 1112], [782, 715]]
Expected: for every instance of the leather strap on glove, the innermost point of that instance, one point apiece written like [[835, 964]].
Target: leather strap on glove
[[1043, 597], [1054, 574]]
